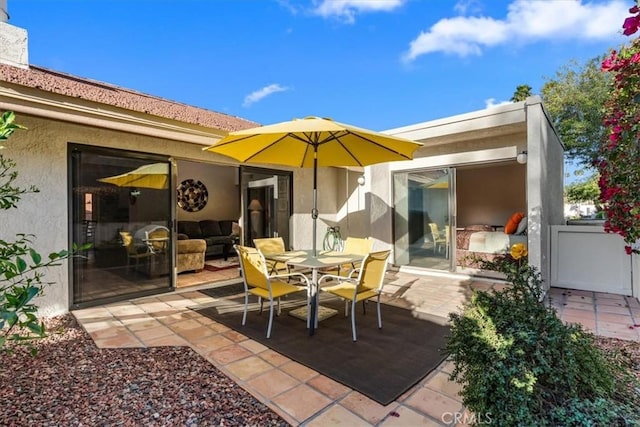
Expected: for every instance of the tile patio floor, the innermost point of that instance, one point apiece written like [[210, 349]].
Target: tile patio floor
[[304, 397]]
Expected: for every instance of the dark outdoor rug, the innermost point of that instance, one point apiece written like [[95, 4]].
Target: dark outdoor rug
[[224, 290], [382, 364]]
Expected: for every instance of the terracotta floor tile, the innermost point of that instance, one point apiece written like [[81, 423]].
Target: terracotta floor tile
[[185, 325], [602, 296], [629, 336], [235, 336], [141, 323], [152, 333], [104, 325], [197, 333], [433, 403], [624, 319], [248, 367], [632, 302], [169, 340], [576, 292], [580, 299], [577, 305], [298, 371], [440, 382], [125, 310], [175, 300], [302, 402], [619, 309], [253, 346], [366, 408], [153, 306], [272, 383], [275, 358], [337, 415], [229, 354], [332, 389], [173, 315], [211, 343], [104, 333], [407, 417], [120, 341], [92, 314], [579, 313], [609, 326], [589, 324]]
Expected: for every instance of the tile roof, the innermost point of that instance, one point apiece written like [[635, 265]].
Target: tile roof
[[104, 93]]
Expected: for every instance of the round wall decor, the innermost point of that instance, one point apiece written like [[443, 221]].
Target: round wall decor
[[192, 195]]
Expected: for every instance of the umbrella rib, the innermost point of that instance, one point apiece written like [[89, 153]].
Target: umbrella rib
[[264, 148], [384, 147]]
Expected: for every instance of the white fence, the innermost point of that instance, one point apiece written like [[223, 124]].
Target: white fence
[[585, 257]]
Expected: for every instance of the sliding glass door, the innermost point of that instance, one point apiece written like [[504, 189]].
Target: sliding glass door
[[424, 219], [120, 203]]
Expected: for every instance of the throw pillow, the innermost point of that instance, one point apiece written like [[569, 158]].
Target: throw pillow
[[512, 224], [522, 226]]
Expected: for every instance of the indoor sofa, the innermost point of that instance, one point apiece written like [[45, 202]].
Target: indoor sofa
[[218, 235]]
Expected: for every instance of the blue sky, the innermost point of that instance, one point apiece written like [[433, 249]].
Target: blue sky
[[378, 64]]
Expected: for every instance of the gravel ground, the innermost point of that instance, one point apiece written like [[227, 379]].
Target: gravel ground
[[73, 383]]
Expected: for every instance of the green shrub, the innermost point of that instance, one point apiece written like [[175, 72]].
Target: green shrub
[[520, 365], [22, 268]]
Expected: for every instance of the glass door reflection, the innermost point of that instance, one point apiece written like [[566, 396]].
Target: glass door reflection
[[121, 205]]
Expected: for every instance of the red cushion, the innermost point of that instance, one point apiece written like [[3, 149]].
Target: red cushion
[[512, 224]]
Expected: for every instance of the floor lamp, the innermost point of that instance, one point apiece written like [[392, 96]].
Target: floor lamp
[[255, 216]]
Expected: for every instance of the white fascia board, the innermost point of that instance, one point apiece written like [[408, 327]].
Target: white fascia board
[[495, 117]]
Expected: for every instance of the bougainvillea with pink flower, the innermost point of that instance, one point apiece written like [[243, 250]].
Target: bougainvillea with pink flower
[[619, 153]]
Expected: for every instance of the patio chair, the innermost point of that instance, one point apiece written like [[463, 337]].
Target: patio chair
[[133, 253], [440, 242], [368, 284], [272, 245], [257, 281]]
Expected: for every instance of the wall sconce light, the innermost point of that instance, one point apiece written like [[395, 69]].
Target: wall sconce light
[[361, 180], [522, 157]]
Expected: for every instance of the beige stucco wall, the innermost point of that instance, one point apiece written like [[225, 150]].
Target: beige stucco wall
[[41, 156], [341, 202], [545, 169], [222, 188]]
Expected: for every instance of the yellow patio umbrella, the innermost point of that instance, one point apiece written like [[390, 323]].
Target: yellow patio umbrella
[[439, 183], [154, 175], [312, 142]]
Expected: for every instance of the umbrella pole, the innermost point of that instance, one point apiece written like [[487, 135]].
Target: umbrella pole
[[314, 211]]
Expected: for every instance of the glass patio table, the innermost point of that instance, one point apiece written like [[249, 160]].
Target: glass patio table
[[305, 259]]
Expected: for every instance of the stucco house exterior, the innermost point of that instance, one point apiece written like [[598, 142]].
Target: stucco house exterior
[[81, 131], [493, 162]]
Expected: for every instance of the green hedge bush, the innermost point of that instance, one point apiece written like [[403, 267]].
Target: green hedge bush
[[520, 365]]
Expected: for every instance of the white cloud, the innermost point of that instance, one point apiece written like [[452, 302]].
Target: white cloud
[[346, 10], [527, 21], [260, 94], [491, 102], [467, 6]]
